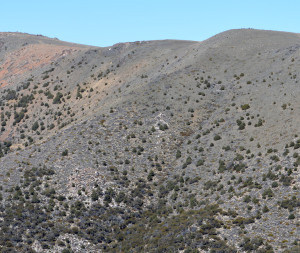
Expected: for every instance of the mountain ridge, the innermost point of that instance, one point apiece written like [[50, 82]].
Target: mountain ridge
[[151, 146]]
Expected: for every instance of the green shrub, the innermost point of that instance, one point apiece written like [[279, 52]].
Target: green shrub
[[245, 107], [178, 154], [217, 137], [57, 98], [265, 209], [65, 152], [291, 216], [35, 126]]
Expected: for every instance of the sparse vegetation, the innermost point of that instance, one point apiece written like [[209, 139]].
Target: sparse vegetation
[[184, 156]]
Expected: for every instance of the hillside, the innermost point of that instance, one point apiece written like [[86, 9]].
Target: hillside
[[150, 146]]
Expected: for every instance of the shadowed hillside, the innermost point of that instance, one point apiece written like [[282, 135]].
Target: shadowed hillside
[[150, 146]]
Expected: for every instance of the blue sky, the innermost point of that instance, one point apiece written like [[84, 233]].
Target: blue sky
[[104, 23]]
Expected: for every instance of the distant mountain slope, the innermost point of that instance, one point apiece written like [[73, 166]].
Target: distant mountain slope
[[151, 146]]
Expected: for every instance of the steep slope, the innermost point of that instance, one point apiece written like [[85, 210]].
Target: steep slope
[[155, 146]]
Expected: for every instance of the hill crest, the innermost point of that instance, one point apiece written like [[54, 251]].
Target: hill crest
[[190, 145]]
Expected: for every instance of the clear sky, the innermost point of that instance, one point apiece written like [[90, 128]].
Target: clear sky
[[104, 23]]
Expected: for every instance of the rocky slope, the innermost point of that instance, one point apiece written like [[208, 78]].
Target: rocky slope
[[152, 146]]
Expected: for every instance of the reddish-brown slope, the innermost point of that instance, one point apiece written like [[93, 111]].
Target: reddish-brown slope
[[31, 57]]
